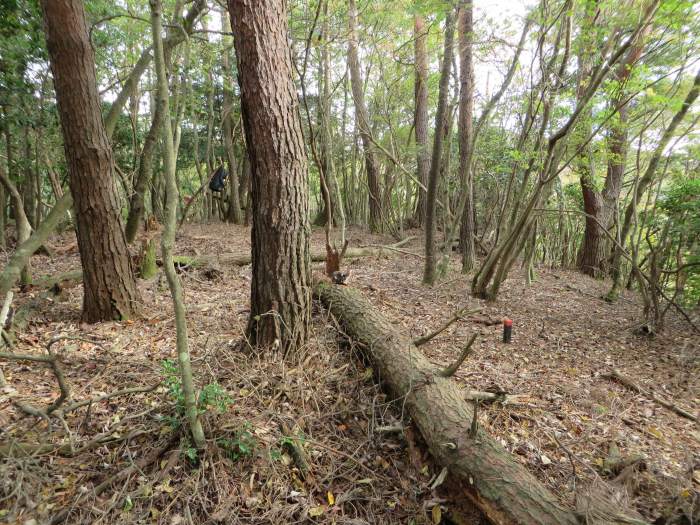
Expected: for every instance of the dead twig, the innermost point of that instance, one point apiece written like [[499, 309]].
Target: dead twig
[[459, 314], [450, 370], [626, 381]]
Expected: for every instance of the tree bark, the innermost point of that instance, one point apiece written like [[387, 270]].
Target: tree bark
[[109, 282], [376, 223], [420, 36], [24, 228], [235, 213], [494, 481], [137, 204], [430, 219], [280, 306], [466, 132]]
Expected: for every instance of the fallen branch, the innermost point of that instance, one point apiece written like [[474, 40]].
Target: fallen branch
[[68, 450], [459, 314], [497, 397], [626, 381], [320, 256], [137, 466], [104, 397], [450, 370], [504, 490]]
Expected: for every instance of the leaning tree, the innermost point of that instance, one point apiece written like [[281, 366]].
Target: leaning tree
[[108, 277]]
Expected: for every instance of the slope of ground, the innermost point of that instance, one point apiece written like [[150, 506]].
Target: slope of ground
[[361, 469]]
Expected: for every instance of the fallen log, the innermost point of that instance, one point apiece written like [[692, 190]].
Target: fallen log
[[505, 491], [317, 256]]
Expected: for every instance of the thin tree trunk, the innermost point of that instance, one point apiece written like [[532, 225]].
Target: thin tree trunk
[[376, 223], [109, 284], [13, 269], [168, 237], [24, 228], [430, 219], [144, 175], [280, 306], [466, 132], [325, 140], [420, 36], [228, 125]]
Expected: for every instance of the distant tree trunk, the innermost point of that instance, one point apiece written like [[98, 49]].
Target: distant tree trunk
[[144, 175], [466, 132], [22, 224], [430, 222], [376, 223], [235, 214], [420, 36], [108, 277], [280, 306], [325, 139], [28, 186], [3, 205]]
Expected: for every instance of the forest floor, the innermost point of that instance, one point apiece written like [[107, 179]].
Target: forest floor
[[323, 400]]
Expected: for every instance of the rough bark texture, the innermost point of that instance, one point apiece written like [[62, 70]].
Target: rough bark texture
[[363, 123], [466, 132], [430, 219], [420, 36], [110, 286], [280, 308], [502, 488]]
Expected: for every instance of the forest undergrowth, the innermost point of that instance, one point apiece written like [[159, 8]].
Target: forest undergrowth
[[311, 438]]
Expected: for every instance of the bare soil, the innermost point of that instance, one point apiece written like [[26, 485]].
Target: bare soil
[[362, 471]]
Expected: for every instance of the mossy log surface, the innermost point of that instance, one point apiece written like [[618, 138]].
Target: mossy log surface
[[505, 491]]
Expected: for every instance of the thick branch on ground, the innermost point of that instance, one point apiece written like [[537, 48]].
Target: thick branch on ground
[[626, 381], [459, 314], [495, 482]]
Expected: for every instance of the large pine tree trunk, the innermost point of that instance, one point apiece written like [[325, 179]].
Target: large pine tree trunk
[[109, 282], [280, 306], [420, 36], [497, 484], [376, 222]]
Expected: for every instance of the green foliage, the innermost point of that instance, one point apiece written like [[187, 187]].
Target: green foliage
[[241, 444], [211, 396]]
